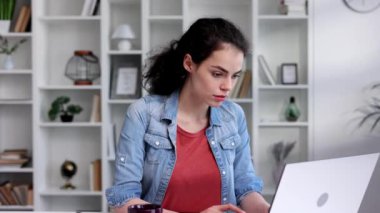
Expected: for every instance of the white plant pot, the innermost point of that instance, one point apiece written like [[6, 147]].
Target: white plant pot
[[5, 26], [8, 62]]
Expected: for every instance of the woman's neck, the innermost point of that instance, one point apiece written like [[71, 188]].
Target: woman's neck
[[192, 113]]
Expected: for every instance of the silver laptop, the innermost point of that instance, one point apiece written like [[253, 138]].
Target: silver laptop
[[331, 186]]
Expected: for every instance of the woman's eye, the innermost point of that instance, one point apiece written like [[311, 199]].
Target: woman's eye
[[236, 76], [217, 74]]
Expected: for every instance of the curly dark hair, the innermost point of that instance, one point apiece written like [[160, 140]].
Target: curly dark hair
[[166, 73]]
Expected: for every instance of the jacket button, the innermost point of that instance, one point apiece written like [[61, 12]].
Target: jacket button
[[157, 143]]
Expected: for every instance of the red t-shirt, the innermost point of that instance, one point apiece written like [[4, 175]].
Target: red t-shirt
[[195, 183]]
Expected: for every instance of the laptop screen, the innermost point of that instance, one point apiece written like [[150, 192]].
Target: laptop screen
[[333, 185]]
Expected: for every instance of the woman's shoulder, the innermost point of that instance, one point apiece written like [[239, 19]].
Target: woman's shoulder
[[232, 107], [146, 103]]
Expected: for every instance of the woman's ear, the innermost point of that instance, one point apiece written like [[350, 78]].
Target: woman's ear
[[188, 63]]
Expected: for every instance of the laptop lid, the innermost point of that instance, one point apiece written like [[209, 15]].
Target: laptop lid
[[333, 185]]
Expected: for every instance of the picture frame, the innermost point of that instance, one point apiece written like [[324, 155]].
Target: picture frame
[[125, 82], [289, 73]]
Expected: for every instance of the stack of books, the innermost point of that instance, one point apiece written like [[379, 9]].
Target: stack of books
[[293, 7], [11, 194], [14, 158]]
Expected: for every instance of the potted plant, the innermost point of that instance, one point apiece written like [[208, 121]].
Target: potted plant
[[370, 113], [7, 49], [6, 13], [60, 107], [280, 151]]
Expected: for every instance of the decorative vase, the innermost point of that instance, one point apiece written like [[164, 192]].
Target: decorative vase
[[8, 62], [67, 118], [5, 26], [292, 113], [277, 171]]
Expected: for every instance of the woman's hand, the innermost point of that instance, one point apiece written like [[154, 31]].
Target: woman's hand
[[223, 208]]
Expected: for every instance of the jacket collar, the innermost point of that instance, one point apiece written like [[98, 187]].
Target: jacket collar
[[171, 110]]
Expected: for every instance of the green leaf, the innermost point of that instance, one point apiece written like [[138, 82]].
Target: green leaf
[[74, 109]]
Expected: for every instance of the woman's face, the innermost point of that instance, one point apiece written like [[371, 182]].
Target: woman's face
[[212, 80]]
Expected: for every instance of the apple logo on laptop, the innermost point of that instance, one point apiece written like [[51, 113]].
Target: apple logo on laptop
[[322, 199]]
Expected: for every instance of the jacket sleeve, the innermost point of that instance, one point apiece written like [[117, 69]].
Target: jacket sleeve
[[245, 177], [129, 157]]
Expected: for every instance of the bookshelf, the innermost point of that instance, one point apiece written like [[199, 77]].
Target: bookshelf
[[280, 39], [59, 29], [16, 108]]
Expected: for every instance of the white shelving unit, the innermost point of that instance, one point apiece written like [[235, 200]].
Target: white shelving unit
[[59, 30], [280, 39], [16, 112]]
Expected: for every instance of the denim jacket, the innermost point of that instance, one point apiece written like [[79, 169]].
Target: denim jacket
[[146, 153]]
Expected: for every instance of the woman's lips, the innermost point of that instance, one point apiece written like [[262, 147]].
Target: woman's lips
[[219, 97]]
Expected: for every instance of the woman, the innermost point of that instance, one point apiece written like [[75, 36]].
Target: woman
[[185, 146]]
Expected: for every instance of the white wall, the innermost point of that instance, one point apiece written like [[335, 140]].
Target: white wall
[[346, 60]]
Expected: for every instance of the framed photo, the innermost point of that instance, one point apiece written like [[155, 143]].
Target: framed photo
[[125, 82], [289, 73]]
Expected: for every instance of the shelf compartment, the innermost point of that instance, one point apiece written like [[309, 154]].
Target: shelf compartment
[[16, 119], [62, 8], [284, 41], [59, 144], [272, 104], [162, 32], [264, 159], [237, 11], [85, 203], [266, 7], [80, 97], [22, 57], [76, 36], [126, 12], [15, 87], [165, 7], [17, 178]]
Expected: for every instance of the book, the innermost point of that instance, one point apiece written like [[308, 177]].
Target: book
[[235, 90], [16, 12], [6, 191], [20, 18], [29, 197], [265, 68], [21, 192], [14, 154], [97, 175], [96, 9], [111, 141], [13, 163], [26, 19], [95, 111], [91, 176], [244, 89], [86, 9]]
